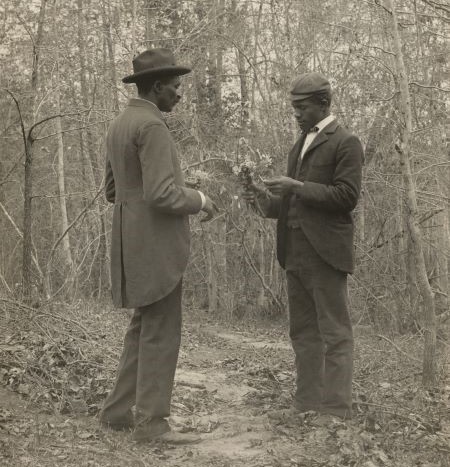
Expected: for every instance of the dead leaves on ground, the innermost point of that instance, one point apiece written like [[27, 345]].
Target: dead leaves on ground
[[62, 369], [55, 369]]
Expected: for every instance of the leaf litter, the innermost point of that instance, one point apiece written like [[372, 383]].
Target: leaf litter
[[56, 373]]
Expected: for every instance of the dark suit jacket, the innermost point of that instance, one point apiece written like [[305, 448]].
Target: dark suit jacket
[[331, 170], [150, 230]]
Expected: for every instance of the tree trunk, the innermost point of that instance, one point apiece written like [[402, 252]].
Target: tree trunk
[[442, 253], [133, 27], [429, 322], [240, 58], [27, 223], [97, 232], [213, 294], [16, 228], [262, 298], [110, 47], [66, 250], [28, 172], [148, 22], [217, 266]]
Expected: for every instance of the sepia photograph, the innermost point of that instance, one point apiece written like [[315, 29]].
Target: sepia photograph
[[225, 233]]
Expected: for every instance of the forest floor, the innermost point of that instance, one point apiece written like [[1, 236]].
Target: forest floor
[[57, 364]]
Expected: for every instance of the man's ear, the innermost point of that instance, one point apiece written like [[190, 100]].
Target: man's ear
[[157, 86], [324, 104]]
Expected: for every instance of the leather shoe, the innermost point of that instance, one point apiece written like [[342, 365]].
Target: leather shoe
[[149, 429]]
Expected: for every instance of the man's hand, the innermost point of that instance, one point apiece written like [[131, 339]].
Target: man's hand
[[256, 197], [281, 186], [210, 208]]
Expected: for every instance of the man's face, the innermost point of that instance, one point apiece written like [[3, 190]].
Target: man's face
[[168, 93], [307, 113]]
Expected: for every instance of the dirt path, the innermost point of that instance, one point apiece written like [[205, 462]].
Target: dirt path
[[212, 397], [226, 382]]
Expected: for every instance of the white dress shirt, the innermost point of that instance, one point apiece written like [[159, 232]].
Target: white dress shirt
[[310, 137]]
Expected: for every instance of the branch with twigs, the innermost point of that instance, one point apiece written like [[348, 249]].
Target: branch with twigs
[[205, 161], [399, 234], [66, 231], [396, 347]]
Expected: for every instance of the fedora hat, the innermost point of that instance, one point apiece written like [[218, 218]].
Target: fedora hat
[[153, 63], [308, 84]]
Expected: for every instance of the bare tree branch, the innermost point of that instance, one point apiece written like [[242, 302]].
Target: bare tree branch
[[77, 218], [19, 232], [428, 87]]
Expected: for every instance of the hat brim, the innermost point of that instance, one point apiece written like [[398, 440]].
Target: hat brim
[[157, 72], [300, 97]]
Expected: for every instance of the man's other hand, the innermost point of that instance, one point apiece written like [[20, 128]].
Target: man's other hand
[[210, 208], [256, 197], [252, 192], [280, 186]]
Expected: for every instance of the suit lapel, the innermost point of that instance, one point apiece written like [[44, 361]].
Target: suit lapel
[[320, 138]]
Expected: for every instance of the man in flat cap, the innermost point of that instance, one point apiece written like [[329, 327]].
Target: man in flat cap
[[313, 205], [149, 247]]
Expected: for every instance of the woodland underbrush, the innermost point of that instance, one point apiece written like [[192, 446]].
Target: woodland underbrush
[[62, 359]]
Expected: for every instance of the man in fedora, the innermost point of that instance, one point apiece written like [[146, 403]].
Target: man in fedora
[[313, 205], [149, 247]]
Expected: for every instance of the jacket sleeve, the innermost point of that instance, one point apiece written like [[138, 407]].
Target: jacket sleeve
[[110, 187], [161, 191], [343, 193]]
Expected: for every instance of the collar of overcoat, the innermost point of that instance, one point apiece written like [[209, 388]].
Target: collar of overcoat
[[135, 102], [321, 137], [318, 140]]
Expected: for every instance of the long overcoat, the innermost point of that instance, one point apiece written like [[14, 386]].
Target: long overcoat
[[150, 229], [331, 170]]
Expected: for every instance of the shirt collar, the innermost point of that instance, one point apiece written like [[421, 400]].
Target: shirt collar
[[323, 123]]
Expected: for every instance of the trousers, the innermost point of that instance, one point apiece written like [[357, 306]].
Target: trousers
[[146, 368], [320, 329]]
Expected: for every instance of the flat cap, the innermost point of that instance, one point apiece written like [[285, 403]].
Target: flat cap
[[308, 84]]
